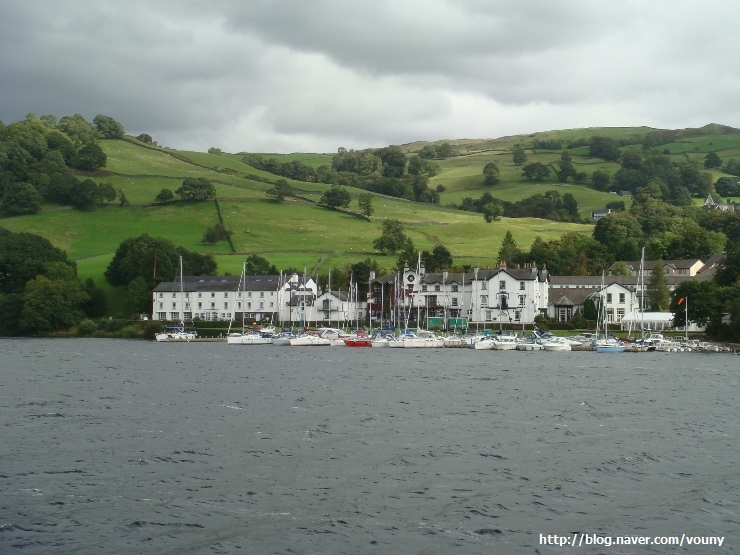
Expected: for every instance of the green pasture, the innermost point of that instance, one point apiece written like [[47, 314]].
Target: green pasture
[[463, 177], [100, 231], [267, 226]]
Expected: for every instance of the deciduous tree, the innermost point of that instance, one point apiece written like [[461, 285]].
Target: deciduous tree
[[336, 197], [365, 204], [196, 189], [164, 196], [536, 171], [491, 174], [392, 238], [21, 198], [108, 127], [519, 157], [280, 190]]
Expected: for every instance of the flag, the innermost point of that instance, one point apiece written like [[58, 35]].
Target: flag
[[680, 301]]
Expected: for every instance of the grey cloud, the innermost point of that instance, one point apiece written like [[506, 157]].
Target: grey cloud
[[288, 75]]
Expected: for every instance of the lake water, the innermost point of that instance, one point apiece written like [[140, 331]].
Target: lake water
[[115, 446]]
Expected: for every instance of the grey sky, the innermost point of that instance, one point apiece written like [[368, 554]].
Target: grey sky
[[283, 76]]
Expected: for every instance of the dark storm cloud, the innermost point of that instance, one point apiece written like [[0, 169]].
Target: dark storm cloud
[[289, 75]]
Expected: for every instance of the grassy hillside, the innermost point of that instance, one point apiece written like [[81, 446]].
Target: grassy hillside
[[301, 234]]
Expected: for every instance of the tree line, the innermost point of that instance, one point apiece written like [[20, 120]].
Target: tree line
[[388, 171]]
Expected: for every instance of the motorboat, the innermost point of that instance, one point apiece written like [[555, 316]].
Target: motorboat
[[422, 339], [309, 340], [484, 344], [505, 342], [358, 342], [557, 344], [530, 344], [255, 338], [283, 339]]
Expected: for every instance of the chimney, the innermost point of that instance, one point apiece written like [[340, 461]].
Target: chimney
[[445, 275], [422, 270], [502, 264]]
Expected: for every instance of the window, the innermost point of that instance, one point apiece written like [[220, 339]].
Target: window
[[200, 306], [488, 315], [517, 315], [239, 305], [226, 295], [454, 301], [187, 305], [174, 315], [620, 314], [188, 315], [173, 295], [249, 305], [262, 294], [262, 305], [437, 288], [521, 286], [610, 314], [272, 304], [226, 306], [249, 294], [484, 300], [200, 295], [161, 305], [272, 293], [521, 299], [213, 295], [161, 295], [621, 298], [483, 286], [608, 297], [423, 287], [239, 294], [431, 300], [454, 288], [326, 304], [213, 306], [187, 295], [502, 286], [161, 315], [174, 306]]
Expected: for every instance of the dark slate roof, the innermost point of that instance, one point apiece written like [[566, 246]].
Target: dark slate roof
[[220, 283], [517, 273], [570, 297], [717, 259], [595, 281], [341, 295], [634, 265]]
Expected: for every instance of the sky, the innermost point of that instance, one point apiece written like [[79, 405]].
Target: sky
[[298, 76]]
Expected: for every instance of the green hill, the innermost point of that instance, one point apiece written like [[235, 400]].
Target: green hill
[[299, 233]]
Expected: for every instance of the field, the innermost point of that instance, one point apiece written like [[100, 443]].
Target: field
[[299, 233]]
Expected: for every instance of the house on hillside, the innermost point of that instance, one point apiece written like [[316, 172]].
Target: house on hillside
[[688, 267], [596, 215], [724, 206]]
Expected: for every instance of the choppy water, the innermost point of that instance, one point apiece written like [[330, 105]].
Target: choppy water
[[113, 446]]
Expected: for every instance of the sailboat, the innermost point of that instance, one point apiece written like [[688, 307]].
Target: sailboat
[[247, 337], [605, 344], [179, 333]]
